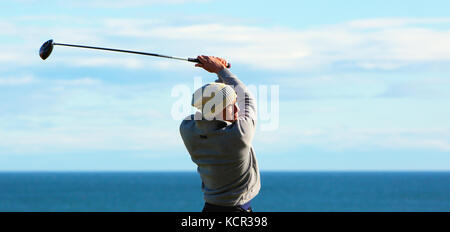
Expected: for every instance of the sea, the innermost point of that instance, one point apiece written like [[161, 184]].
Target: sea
[[181, 192]]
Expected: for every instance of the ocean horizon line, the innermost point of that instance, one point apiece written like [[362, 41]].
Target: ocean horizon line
[[194, 171]]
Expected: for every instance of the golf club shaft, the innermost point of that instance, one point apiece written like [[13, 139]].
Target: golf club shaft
[[127, 51]]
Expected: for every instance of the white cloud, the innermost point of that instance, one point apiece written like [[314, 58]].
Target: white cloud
[[424, 88], [394, 22], [25, 80], [85, 114], [78, 82], [441, 144], [132, 63], [13, 81], [358, 138], [330, 86], [63, 139], [120, 3], [386, 46], [133, 3], [385, 43], [127, 61]]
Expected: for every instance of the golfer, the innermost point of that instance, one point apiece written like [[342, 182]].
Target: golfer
[[219, 139]]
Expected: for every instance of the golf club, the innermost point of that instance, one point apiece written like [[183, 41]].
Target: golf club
[[47, 48]]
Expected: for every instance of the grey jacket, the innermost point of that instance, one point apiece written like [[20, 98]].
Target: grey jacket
[[223, 151]]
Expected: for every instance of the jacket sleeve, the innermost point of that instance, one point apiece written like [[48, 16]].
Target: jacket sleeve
[[245, 100]]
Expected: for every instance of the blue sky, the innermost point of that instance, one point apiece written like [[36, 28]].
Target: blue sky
[[362, 86]]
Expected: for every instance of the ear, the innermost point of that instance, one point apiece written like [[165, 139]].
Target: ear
[[224, 114]]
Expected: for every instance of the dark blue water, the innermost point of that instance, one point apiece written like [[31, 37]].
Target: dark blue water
[[178, 191]]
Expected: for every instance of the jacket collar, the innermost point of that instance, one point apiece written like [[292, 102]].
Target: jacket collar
[[209, 125]]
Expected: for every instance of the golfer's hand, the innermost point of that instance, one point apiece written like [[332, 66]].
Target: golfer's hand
[[211, 64]]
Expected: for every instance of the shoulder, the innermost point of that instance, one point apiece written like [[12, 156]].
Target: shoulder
[[245, 126], [187, 122]]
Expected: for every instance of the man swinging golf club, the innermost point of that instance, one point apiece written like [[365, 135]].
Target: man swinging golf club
[[218, 136], [219, 139]]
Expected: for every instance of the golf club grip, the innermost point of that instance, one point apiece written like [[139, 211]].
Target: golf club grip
[[195, 60]]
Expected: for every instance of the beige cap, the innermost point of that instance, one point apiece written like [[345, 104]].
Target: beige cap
[[212, 98]]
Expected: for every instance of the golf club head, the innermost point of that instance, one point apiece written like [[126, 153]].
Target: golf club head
[[46, 49]]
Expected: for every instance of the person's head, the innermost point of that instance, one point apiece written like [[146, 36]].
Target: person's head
[[216, 101]]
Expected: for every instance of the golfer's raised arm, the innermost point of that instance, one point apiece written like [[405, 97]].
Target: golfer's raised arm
[[245, 100]]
